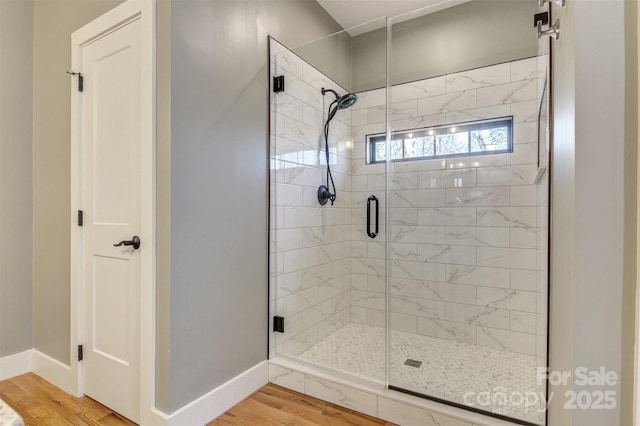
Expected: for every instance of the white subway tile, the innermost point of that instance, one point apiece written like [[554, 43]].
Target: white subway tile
[[448, 292], [402, 322], [507, 299], [286, 60], [358, 315], [418, 89], [418, 198], [507, 93], [417, 234], [520, 217], [525, 133], [477, 236], [400, 181], [370, 98], [507, 340], [523, 237], [477, 315], [480, 77], [299, 132], [494, 111], [404, 287], [404, 216], [447, 178], [525, 111], [487, 196], [366, 299], [399, 111], [344, 396], [447, 330], [507, 175], [525, 153], [523, 196], [404, 251], [524, 69], [418, 307], [304, 91], [443, 253], [447, 216], [419, 122], [300, 342], [297, 302], [418, 270], [523, 280], [375, 318], [523, 322], [449, 102], [507, 258], [492, 160], [287, 378], [478, 275]]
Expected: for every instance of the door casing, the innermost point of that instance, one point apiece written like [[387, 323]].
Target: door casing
[[144, 10]]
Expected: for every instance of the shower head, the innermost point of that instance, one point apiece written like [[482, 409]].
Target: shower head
[[347, 101], [342, 102]]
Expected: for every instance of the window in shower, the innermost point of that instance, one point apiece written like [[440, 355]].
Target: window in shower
[[463, 139]]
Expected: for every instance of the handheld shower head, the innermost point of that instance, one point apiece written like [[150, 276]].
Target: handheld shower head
[[342, 102], [347, 101]]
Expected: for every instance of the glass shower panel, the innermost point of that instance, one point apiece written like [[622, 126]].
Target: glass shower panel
[[327, 268], [468, 227]]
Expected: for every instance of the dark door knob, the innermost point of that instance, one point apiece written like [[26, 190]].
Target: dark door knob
[[135, 242]]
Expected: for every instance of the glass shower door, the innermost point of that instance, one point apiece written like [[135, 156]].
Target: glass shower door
[[327, 253], [468, 208]]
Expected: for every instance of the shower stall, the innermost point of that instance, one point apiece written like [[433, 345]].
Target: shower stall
[[409, 211]]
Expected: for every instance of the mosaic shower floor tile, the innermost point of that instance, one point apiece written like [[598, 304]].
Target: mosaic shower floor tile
[[488, 379]]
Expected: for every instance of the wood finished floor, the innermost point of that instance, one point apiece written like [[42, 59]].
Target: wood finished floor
[[40, 403], [275, 405]]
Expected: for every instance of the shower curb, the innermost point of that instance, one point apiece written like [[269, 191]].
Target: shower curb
[[371, 398]]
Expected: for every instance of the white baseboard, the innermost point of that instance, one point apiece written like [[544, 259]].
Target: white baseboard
[[209, 406], [53, 371], [15, 365]]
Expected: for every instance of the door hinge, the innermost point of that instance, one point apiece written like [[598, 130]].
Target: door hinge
[[278, 324], [278, 84], [80, 79], [542, 17], [80, 217], [80, 354]]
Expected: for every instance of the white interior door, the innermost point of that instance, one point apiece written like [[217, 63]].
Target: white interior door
[[111, 193]]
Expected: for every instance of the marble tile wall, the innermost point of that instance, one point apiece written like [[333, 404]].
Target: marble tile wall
[[464, 258], [468, 261], [310, 245]]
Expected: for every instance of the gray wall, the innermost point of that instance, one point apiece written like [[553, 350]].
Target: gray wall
[[55, 20], [16, 117], [471, 35], [593, 285], [219, 181], [163, 199], [331, 55]]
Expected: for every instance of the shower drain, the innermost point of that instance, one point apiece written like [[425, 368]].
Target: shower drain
[[413, 363]]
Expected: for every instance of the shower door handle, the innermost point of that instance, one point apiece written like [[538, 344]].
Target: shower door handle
[[369, 200]]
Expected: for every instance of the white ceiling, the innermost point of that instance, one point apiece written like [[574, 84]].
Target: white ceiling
[[350, 13]]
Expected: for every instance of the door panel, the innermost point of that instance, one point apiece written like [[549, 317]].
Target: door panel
[[110, 141], [468, 213]]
